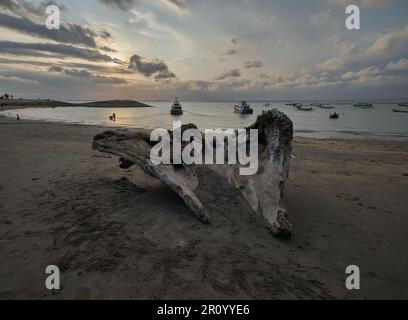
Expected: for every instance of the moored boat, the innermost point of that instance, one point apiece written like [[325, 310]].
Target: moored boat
[[334, 115], [403, 104], [296, 105], [243, 108], [400, 111], [304, 108], [326, 106], [363, 105], [176, 109]]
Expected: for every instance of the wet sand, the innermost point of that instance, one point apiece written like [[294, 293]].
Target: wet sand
[[120, 234]]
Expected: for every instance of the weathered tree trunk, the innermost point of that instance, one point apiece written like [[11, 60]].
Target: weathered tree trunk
[[263, 191]]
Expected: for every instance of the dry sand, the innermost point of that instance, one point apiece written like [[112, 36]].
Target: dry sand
[[119, 234]]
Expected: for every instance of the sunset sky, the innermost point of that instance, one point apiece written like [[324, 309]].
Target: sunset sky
[[204, 50]]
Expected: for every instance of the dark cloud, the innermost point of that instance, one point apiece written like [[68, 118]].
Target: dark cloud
[[155, 67], [253, 64], [28, 18], [235, 73], [120, 4], [125, 5], [56, 69], [106, 35], [231, 52], [52, 49], [107, 49], [178, 3], [85, 74], [68, 33], [25, 62], [200, 85], [95, 68], [12, 78], [33, 11], [164, 75], [264, 75], [9, 4]]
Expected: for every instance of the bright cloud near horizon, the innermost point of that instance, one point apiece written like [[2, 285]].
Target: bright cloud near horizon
[[200, 50]]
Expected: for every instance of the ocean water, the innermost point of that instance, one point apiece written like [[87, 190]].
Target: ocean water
[[379, 122]]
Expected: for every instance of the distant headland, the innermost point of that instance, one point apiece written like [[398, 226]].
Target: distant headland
[[115, 104], [48, 103]]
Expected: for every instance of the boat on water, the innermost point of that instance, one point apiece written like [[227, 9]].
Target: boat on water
[[326, 106], [302, 107], [176, 109], [400, 111], [334, 115], [243, 108], [363, 105], [296, 105], [403, 104], [267, 104], [322, 105]]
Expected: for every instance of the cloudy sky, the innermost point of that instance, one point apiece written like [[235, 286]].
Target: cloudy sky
[[204, 50]]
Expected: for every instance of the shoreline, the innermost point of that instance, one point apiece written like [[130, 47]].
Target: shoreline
[[355, 135]]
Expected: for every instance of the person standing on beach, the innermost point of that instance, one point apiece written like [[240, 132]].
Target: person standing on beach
[[18, 118]]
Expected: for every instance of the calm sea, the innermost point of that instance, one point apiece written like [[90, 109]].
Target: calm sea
[[379, 122]]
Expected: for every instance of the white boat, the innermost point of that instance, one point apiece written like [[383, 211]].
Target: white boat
[[296, 105], [322, 105], [326, 106], [304, 108], [243, 108], [403, 104], [176, 109], [363, 105], [400, 111]]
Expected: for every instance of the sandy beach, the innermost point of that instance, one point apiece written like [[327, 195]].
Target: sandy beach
[[120, 234]]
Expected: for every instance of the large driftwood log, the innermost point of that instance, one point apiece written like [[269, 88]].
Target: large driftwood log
[[263, 191]]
